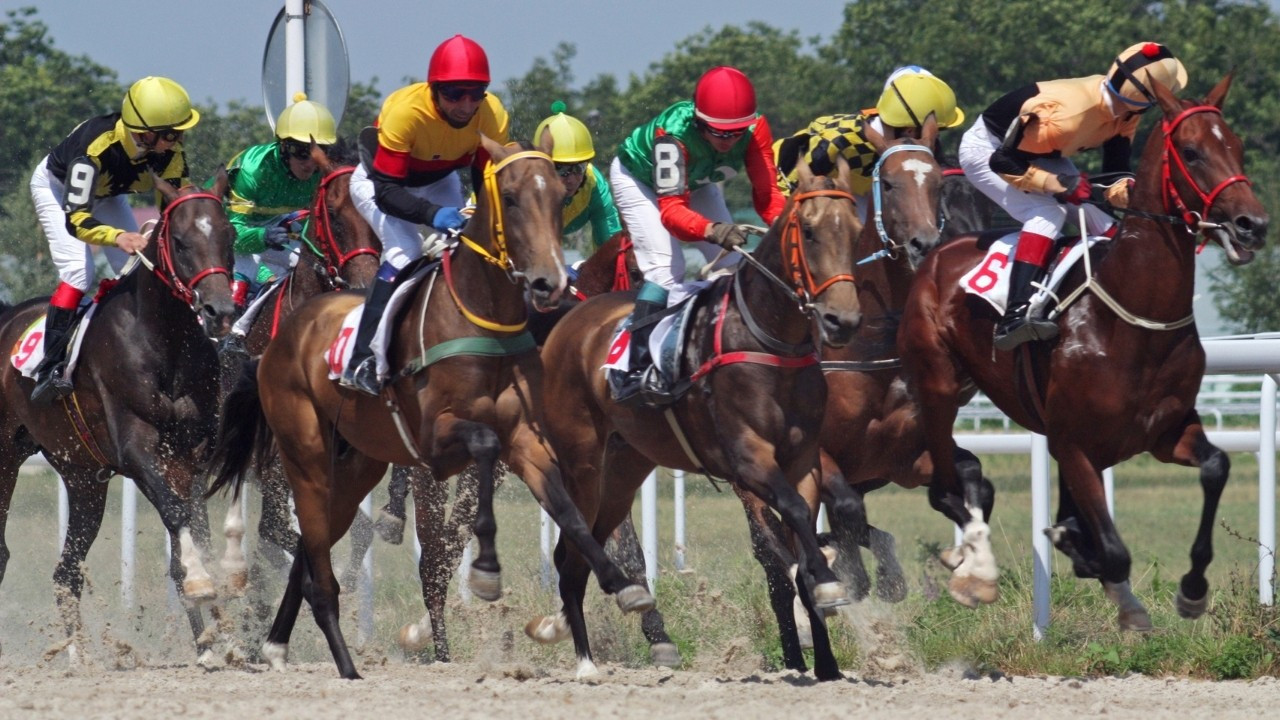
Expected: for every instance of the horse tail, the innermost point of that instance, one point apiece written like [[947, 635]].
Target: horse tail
[[242, 430]]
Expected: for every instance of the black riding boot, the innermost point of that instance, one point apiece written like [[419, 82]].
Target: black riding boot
[[1015, 327], [640, 359], [50, 376], [362, 371]]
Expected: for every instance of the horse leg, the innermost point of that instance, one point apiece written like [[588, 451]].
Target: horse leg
[[234, 567], [276, 647], [275, 525], [1193, 448], [1070, 538], [848, 517], [186, 568], [361, 540], [9, 465], [1085, 485], [624, 547], [390, 521], [86, 503], [482, 444], [436, 563], [773, 555], [960, 492]]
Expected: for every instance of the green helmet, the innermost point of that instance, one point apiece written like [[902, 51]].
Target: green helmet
[[910, 97], [304, 120], [572, 139], [157, 103]]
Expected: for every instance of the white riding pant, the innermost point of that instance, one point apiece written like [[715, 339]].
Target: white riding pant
[[1038, 213], [71, 256], [660, 254], [401, 239]]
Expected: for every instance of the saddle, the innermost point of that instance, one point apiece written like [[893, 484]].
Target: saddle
[[663, 382], [339, 353], [28, 353], [989, 279]]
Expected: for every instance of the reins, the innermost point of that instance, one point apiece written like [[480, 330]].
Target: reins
[[164, 267], [332, 255]]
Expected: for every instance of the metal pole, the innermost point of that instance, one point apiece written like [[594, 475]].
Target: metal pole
[[464, 571], [649, 527], [678, 515], [128, 540], [64, 513], [1267, 491], [295, 58], [1041, 547], [364, 583], [544, 539]]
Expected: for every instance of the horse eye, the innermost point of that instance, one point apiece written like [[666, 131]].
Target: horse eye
[[509, 202], [1190, 155]]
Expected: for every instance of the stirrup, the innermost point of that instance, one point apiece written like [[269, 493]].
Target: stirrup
[[1008, 337], [363, 377], [51, 384]]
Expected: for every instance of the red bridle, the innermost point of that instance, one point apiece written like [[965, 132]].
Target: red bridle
[[334, 258], [165, 268], [794, 263], [1171, 157]]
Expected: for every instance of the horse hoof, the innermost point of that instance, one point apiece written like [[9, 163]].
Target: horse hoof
[[548, 629], [951, 557], [1189, 609], [586, 670], [199, 591], [891, 588], [665, 655], [205, 660], [485, 584], [829, 595], [413, 639], [275, 654], [237, 583], [1135, 619], [971, 592], [635, 598], [389, 527]]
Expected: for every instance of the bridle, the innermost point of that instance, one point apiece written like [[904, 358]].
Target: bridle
[[164, 267], [1172, 197], [890, 249], [326, 244]]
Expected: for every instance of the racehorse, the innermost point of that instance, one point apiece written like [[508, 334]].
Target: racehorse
[[1123, 375], [751, 414], [440, 411], [145, 400], [339, 251]]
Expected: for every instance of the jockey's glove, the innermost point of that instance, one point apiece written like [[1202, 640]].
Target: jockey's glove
[[727, 235], [276, 237], [448, 218], [1077, 189]]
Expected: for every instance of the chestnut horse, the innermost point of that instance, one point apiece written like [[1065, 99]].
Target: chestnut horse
[[1123, 375], [439, 409], [145, 401], [339, 250], [751, 415]]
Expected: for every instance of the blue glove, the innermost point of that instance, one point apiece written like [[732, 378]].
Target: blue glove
[[448, 218], [276, 237]]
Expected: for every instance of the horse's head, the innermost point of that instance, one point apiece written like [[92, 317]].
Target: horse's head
[[816, 244], [191, 251], [524, 208], [345, 241], [905, 191], [1202, 174]]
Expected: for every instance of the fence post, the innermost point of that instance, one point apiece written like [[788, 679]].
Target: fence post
[[649, 529], [1267, 491], [128, 539], [1042, 549], [678, 516]]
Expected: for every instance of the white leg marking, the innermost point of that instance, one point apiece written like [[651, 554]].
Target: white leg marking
[[586, 669], [276, 654]]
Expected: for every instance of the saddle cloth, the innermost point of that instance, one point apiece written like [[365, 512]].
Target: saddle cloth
[[666, 341], [29, 350], [989, 279], [339, 353]]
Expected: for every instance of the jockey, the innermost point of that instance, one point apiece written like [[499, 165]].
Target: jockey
[[271, 184], [1018, 151], [426, 131], [79, 194], [665, 182], [910, 94], [587, 195]]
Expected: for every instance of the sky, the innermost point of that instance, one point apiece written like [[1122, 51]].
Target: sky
[[214, 48]]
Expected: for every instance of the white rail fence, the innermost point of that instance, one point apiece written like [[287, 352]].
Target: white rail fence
[[1256, 358]]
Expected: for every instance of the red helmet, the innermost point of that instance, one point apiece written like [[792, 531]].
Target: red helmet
[[458, 59], [724, 99]]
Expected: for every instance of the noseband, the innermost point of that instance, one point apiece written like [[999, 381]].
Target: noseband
[[1172, 157], [890, 248], [165, 268], [335, 260]]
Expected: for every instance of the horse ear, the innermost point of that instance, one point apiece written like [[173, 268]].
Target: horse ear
[[842, 171], [804, 173], [546, 143], [1218, 94], [166, 190], [1168, 102], [875, 138], [495, 150], [319, 157], [220, 181], [929, 131]]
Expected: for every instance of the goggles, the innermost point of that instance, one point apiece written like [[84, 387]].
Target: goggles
[[722, 134], [454, 93], [568, 169]]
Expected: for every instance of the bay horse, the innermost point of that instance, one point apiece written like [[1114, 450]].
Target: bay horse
[[439, 411], [751, 414], [339, 251], [145, 401], [1122, 377]]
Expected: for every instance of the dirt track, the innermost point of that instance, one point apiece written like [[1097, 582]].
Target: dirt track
[[478, 690]]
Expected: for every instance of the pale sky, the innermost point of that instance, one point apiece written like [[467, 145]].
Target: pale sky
[[214, 47]]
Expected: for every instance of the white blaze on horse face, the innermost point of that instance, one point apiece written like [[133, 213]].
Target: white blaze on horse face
[[1217, 132], [919, 167], [204, 226], [539, 182]]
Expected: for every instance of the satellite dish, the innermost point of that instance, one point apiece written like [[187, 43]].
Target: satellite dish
[[327, 77]]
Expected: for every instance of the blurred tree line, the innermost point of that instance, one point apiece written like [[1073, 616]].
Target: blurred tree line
[[981, 49]]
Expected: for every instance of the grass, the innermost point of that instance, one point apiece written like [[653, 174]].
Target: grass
[[716, 610]]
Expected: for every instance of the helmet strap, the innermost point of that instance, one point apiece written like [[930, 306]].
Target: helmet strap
[[910, 113]]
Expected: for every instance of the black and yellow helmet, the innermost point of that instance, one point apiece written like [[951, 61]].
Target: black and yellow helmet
[[157, 103]]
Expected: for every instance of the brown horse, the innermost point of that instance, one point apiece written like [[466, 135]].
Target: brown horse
[[751, 415], [339, 251], [145, 401], [1122, 377], [439, 409]]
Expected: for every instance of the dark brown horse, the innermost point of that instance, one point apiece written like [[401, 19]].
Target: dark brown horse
[[1123, 375], [339, 251], [440, 408], [751, 415], [145, 400]]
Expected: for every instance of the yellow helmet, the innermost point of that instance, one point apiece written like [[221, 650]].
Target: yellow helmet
[[1133, 68], [910, 97], [157, 103], [572, 139], [305, 119]]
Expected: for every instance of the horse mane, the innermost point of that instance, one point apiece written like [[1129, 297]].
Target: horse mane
[[343, 153]]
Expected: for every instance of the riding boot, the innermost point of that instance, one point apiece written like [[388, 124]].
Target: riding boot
[[1015, 327], [51, 380], [650, 301], [362, 372]]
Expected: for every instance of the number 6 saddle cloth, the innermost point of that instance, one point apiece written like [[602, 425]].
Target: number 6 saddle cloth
[[989, 279]]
